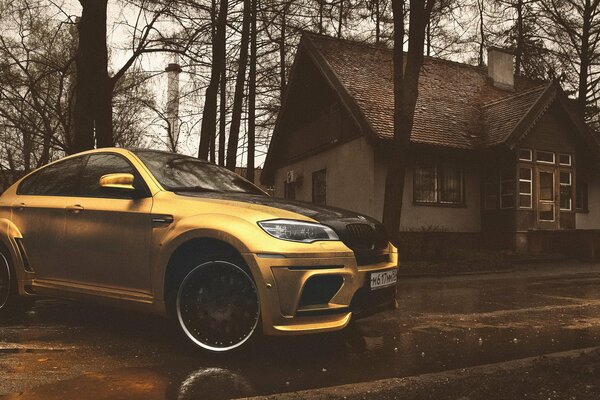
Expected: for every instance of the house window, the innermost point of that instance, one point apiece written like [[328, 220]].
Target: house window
[[581, 193], [443, 184], [545, 157], [451, 185], [425, 184], [525, 187], [289, 190], [507, 189], [564, 159], [319, 187], [566, 191], [525, 155]]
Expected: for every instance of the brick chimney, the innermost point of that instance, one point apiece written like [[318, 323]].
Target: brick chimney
[[501, 68]]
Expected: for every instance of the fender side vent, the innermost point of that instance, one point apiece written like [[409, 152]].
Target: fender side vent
[[23, 254]]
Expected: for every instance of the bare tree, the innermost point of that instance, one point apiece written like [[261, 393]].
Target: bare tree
[[573, 28], [240, 83], [209, 116], [406, 83]]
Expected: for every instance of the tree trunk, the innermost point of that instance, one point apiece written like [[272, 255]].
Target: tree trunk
[[93, 92], [481, 32], [520, 38], [252, 97], [321, 7], [209, 114], [377, 22], [582, 86], [282, 53], [238, 98], [341, 19], [406, 81], [222, 117]]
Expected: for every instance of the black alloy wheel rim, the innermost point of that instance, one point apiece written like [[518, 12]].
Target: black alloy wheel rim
[[217, 306], [4, 281]]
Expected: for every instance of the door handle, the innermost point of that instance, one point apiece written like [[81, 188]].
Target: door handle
[[75, 209], [19, 207]]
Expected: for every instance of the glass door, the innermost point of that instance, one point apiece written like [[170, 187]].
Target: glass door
[[547, 212]]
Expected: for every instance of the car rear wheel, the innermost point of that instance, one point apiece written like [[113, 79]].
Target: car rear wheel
[[217, 306]]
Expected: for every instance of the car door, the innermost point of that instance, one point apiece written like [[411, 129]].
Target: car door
[[108, 233], [40, 214]]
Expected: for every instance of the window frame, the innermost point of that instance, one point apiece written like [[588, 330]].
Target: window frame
[[34, 176], [530, 159], [570, 164], [143, 192], [581, 189], [537, 160], [521, 193], [437, 167], [560, 184]]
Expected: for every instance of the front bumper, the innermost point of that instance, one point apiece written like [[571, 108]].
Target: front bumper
[[338, 290]]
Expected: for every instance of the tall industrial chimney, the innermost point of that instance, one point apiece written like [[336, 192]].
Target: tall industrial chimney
[[173, 70]]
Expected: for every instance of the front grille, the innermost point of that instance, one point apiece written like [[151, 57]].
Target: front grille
[[364, 237]]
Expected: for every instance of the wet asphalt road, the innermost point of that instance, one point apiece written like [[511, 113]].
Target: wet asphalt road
[[65, 350]]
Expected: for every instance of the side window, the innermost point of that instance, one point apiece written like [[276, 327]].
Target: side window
[[99, 165], [59, 179], [28, 185]]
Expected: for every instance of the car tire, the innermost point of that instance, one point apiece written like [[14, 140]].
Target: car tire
[[217, 306], [10, 301]]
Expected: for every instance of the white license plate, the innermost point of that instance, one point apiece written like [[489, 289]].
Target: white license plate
[[383, 279]]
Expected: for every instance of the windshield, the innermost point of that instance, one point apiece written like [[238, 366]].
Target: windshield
[[178, 173]]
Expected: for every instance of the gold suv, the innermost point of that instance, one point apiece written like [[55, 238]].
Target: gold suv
[[184, 238]]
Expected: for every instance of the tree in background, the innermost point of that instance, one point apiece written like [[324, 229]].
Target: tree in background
[[518, 28], [573, 29], [407, 69], [37, 89], [240, 82], [217, 75]]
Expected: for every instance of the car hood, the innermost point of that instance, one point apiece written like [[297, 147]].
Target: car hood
[[339, 219], [310, 210]]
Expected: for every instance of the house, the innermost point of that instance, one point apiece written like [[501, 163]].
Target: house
[[257, 178], [495, 158]]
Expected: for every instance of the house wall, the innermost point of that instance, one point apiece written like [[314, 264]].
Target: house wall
[[591, 219], [417, 217], [350, 177]]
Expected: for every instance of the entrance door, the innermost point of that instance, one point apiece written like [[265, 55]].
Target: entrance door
[[547, 210]]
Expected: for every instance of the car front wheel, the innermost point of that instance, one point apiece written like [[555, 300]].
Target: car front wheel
[[9, 295], [218, 306]]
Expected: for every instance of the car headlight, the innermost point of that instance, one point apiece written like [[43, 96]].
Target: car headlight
[[298, 231]]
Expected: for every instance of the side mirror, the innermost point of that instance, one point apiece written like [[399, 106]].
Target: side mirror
[[117, 182]]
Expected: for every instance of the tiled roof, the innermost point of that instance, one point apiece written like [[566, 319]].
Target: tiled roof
[[457, 102], [502, 116]]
